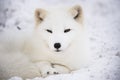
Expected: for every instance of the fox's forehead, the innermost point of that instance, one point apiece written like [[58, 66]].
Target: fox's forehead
[[59, 24], [55, 19], [58, 15]]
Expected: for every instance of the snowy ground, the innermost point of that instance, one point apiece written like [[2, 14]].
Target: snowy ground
[[101, 21]]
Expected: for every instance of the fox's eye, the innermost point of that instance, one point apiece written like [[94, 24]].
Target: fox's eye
[[50, 31], [67, 30]]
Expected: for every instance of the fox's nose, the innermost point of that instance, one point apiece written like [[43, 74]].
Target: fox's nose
[[57, 45]]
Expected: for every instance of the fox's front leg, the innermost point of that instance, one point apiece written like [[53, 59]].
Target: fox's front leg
[[46, 68], [62, 69]]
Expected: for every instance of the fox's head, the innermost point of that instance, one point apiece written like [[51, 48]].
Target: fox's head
[[58, 28]]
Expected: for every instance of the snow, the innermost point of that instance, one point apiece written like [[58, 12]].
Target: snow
[[101, 21]]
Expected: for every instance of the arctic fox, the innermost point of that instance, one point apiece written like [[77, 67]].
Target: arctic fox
[[58, 44]]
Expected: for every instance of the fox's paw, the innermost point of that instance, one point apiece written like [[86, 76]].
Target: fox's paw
[[50, 71]]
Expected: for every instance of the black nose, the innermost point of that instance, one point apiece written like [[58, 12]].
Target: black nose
[[57, 45]]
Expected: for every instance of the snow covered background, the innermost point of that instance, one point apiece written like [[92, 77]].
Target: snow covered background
[[102, 21]]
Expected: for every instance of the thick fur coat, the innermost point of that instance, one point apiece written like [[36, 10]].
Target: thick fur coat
[[58, 44]]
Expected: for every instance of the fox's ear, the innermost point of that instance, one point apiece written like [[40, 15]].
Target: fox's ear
[[77, 13], [39, 15]]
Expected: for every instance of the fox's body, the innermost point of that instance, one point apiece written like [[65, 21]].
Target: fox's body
[[57, 44]]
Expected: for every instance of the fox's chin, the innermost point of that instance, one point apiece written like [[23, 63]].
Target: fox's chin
[[55, 50], [58, 50], [61, 50]]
